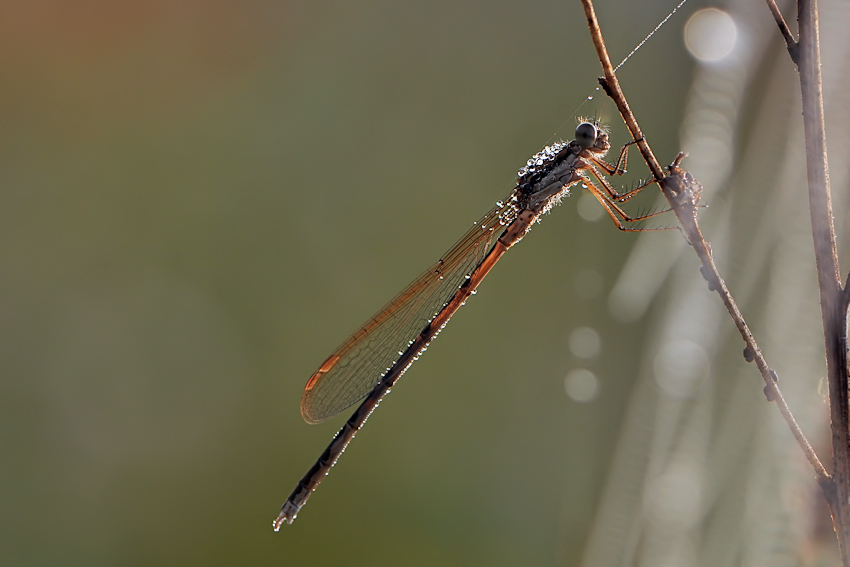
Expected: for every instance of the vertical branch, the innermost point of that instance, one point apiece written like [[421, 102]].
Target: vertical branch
[[833, 304], [820, 199]]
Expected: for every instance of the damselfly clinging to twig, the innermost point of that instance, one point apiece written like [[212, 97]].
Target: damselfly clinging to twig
[[371, 360]]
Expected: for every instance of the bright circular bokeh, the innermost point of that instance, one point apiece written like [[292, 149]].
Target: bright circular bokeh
[[585, 342], [710, 35], [581, 385], [589, 208]]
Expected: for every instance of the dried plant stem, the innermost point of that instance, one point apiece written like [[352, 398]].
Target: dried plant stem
[[783, 29], [612, 89], [682, 192]]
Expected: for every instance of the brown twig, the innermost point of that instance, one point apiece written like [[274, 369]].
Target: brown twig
[[612, 88], [790, 42], [682, 191]]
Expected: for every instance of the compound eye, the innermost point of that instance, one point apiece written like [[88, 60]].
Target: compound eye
[[586, 134]]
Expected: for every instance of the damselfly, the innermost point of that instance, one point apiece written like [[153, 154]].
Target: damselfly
[[371, 360]]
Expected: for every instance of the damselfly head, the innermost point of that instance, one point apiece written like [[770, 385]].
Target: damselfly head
[[586, 133]]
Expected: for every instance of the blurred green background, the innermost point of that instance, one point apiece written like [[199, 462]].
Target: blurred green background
[[200, 200]]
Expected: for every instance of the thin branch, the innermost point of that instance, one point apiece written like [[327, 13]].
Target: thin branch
[[683, 191], [820, 199], [790, 42], [612, 88]]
